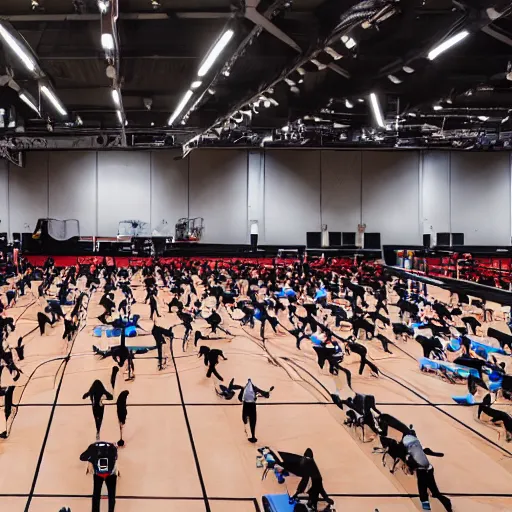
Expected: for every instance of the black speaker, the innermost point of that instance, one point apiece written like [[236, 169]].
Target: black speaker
[[314, 239], [443, 239], [457, 238], [372, 240], [427, 240], [349, 238], [334, 238]]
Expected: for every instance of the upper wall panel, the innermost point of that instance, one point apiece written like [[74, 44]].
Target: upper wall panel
[[72, 186], [391, 196], [169, 189], [28, 192], [124, 189], [480, 197], [436, 192], [218, 193], [292, 196], [341, 190]]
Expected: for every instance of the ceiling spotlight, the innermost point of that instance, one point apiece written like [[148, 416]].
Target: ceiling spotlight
[[35, 5], [285, 129], [408, 69], [411, 114], [295, 90], [301, 81], [360, 100], [152, 123], [483, 118], [438, 107], [266, 103], [349, 104], [291, 83], [449, 101], [196, 84], [103, 6], [505, 119], [211, 91], [183, 121], [78, 121], [394, 79], [156, 4], [350, 43], [226, 72], [318, 64]]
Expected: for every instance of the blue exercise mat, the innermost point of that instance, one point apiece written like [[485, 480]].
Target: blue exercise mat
[[461, 371], [131, 331], [468, 399], [278, 503]]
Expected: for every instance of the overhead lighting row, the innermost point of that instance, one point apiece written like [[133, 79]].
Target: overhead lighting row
[[27, 59], [205, 67]]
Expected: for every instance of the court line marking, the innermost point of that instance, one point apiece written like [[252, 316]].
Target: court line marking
[[52, 413], [191, 437]]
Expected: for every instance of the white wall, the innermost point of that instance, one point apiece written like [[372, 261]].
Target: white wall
[[401, 194]]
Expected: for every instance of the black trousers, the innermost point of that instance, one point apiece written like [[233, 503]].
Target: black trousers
[[254, 241], [427, 482], [111, 482], [249, 415], [315, 491]]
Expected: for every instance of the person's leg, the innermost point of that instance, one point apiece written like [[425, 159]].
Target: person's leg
[[421, 478], [96, 493], [98, 412], [111, 482], [212, 369], [252, 421], [432, 485]]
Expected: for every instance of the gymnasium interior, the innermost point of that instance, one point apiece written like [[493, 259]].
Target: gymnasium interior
[[268, 243]]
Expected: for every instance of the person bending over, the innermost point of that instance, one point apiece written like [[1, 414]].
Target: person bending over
[[96, 393], [102, 457], [211, 360], [310, 472]]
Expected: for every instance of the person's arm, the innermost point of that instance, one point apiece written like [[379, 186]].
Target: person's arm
[[428, 451], [86, 456], [302, 486]]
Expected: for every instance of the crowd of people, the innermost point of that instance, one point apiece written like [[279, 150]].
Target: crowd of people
[[340, 309]]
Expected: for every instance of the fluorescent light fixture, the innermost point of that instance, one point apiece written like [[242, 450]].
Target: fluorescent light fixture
[[196, 84], [394, 79], [505, 119], [181, 106], [273, 101], [446, 45], [289, 82], [120, 116], [408, 69], [107, 42], [215, 52], [377, 112], [483, 118], [361, 100], [349, 104], [116, 97], [17, 49], [438, 107], [29, 102], [50, 96]]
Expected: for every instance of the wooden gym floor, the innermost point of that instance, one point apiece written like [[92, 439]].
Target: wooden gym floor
[[185, 446]]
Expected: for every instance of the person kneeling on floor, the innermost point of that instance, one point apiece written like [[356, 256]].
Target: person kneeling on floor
[[102, 457]]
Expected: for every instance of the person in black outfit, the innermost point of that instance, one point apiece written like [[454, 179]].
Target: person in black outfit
[[153, 306], [122, 413], [43, 319], [159, 334], [187, 320], [211, 359], [103, 459], [309, 471], [96, 393]]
